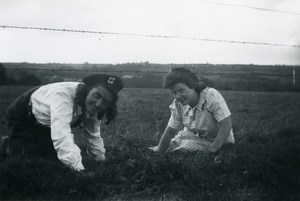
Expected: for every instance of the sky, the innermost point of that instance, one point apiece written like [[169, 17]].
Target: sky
[[203, 31]]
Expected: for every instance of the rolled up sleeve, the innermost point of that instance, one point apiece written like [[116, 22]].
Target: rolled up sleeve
[[217, 105], [175, 119]]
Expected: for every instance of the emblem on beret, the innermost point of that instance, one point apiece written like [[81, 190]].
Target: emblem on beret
[[111, 80]]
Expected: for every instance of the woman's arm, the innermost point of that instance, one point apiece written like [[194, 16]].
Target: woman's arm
[[93, 137], [61, 111], [163, 145], [224, 131]]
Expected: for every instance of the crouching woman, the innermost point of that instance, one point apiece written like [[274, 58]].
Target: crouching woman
[[199, 113], [42, 120]]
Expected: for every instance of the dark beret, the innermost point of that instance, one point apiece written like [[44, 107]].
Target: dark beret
[[111, 82]]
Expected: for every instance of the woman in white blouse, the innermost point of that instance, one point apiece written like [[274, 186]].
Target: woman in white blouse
[[199, 113], [41, 120]]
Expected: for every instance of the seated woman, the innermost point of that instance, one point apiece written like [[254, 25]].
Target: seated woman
[[42, 120], [199, 113]]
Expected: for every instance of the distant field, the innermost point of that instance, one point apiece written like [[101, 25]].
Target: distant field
[[264, 163], [145, 75]]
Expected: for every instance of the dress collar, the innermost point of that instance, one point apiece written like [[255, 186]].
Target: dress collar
[[199, 105]]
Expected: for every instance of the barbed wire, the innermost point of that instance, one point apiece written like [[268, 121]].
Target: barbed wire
[[148, 35]]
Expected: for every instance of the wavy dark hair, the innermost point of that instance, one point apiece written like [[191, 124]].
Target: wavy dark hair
[[111, 111], [184, 76]]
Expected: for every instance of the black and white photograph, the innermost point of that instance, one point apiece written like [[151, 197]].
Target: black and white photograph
[[174, 100]]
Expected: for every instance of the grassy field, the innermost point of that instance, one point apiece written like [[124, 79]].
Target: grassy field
[[264, 163]]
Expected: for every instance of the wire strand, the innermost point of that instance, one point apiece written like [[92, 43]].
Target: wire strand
[[148, 35], [250, 7]]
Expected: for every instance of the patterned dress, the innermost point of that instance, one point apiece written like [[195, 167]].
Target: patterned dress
[[200, 124]]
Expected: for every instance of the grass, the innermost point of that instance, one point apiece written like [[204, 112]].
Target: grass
[[263, 165]]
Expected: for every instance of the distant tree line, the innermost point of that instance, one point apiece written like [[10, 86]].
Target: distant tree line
[[25, 78], [146, 75]]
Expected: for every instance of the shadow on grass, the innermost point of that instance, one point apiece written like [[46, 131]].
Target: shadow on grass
[[255, 168]]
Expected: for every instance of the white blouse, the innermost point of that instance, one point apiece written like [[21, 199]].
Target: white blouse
[[53, 106]]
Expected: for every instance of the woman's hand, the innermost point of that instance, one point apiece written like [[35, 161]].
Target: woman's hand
[[154, 149], [164, 141]]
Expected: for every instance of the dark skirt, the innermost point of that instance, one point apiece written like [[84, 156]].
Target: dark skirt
[[26, 137]]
